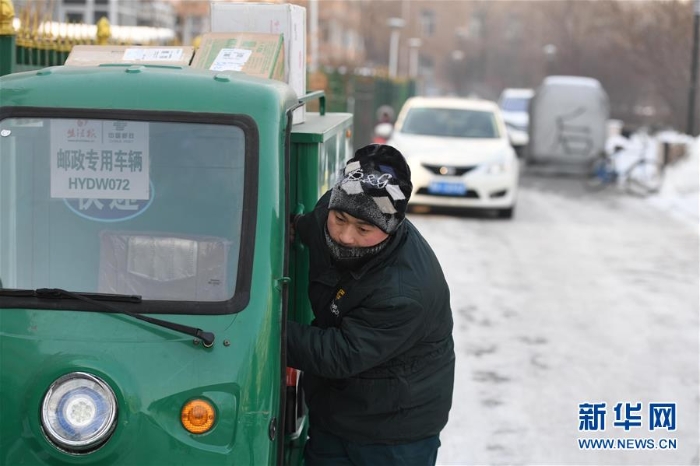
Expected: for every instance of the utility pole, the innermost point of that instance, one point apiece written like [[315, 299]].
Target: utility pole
[[313, 35], [395, 24], [414, 43], [694, 70]]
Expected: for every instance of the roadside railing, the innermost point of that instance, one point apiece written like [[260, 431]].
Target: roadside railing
[[33, 41]]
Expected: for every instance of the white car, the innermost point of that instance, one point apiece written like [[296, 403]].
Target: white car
[[459, 154]]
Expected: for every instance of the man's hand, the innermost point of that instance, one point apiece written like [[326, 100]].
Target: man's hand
[[292, 227]]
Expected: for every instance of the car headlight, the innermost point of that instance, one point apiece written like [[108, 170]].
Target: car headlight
[[79, 412], [497, 168]]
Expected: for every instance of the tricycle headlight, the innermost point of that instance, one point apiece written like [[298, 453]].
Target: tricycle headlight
[[79, 412]]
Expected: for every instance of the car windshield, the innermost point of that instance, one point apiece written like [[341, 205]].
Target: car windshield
[[450, 122], [515, 104], [128, 207]]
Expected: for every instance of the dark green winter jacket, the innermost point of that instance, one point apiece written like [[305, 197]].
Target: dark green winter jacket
[[378, 359]]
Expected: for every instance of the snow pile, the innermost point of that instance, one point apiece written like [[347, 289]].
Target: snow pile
[[626, 152], [681, 188]]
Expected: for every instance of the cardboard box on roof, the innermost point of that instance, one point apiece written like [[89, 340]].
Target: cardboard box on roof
[[275, 18], [92, 55], [260, 55]]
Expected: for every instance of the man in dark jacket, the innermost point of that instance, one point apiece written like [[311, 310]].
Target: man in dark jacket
[[378, 359]]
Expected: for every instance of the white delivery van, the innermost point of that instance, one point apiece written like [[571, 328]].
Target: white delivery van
[[568, 117]]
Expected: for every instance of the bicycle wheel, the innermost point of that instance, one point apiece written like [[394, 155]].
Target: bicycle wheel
[[601, 174], [644, 177]]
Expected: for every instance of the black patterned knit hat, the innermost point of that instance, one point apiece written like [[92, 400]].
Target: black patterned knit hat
[[375, 187]]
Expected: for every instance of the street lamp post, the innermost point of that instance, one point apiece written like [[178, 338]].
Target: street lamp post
[[550, 51], [313, 35], [414, 43], [395, 24], [694, 70], [457, 57]]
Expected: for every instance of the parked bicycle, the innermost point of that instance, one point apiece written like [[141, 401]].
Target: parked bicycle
[[635, 167]]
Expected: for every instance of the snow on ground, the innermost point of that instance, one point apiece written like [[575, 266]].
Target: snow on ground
[[583, 297]]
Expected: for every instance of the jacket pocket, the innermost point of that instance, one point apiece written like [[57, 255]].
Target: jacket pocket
[[368, 396]]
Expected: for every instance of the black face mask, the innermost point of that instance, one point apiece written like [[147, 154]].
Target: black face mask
[[347, 258]]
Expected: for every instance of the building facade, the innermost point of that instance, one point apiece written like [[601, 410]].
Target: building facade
[[444, 45], [153, 13]]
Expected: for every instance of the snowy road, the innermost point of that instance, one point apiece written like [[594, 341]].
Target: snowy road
[[582, 298]]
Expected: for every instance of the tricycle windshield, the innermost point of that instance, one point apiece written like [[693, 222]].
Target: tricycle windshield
[[152, 208]]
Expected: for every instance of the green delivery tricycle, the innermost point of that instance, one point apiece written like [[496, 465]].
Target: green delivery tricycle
[[146, 272]]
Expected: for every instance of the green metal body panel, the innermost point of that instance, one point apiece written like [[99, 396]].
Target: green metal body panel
[[154, 371], [321, 146]]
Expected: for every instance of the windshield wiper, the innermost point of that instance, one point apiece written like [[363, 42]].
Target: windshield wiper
[[96, 298], [52, 293]]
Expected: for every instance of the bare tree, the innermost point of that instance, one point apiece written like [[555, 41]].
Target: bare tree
[[639, 50]]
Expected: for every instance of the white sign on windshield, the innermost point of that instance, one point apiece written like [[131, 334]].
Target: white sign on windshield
[[99, 159]]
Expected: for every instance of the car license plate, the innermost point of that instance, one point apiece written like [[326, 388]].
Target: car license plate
[[448, 189]]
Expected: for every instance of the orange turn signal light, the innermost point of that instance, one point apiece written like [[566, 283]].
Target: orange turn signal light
[[198, 416]]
